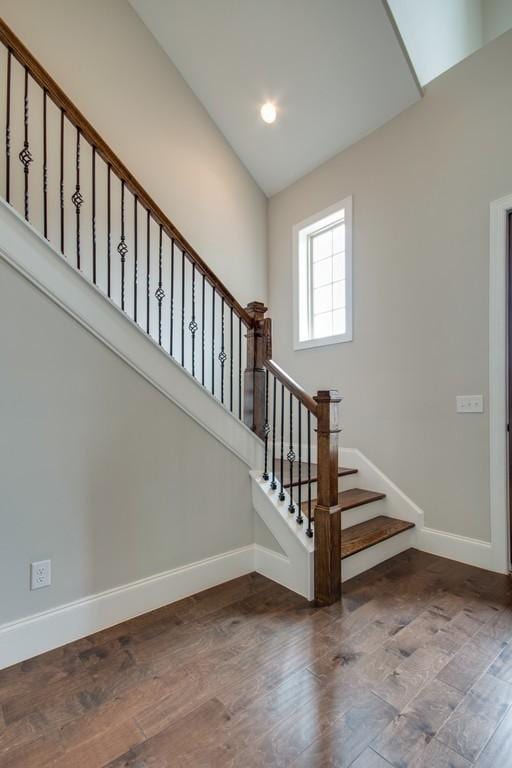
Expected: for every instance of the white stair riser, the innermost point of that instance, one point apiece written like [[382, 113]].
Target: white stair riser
[[369, 558], [365, 512]]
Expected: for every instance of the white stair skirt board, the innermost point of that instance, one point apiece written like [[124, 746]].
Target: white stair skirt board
[[295, 570], [42, 632], [29, 253]]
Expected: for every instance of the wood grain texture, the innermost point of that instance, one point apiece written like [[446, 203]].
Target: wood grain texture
[[248, 674], [342, 472], [354, 497], [359, 537]]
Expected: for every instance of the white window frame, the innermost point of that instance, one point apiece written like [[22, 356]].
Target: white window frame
[[301, 232]]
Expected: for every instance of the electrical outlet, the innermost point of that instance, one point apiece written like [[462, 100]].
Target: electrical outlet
[[470, 404], [40, 574]]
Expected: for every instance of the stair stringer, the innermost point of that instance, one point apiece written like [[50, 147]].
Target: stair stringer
[[295, 569]]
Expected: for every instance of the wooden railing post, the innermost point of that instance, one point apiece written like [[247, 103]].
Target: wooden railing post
[[327, 513], [254, 375]]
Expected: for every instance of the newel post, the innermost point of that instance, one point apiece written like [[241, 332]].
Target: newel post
[[258, 345], [327, 510]]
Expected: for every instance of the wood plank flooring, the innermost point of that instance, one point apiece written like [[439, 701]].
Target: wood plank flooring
[[412, 670]]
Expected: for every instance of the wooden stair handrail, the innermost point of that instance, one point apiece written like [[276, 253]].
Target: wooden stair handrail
[[292, 386], [44, 79]]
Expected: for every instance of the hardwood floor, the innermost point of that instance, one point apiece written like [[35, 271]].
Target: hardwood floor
[[413, 670]]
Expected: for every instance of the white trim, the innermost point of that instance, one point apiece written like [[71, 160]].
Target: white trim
[[346, 205], [42, 632], [454, 547], [26, 250], [498, 383]]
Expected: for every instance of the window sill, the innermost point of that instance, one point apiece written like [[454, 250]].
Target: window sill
[[323, 342]]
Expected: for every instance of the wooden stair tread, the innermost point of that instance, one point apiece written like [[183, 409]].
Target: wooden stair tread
[[364, 535], [355, 497], [342, 472]]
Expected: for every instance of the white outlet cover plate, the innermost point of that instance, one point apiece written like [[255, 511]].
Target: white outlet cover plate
[[470, 403], [40, 574]]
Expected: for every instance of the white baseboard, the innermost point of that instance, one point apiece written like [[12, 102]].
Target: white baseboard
[[30, 636], [461, 548]]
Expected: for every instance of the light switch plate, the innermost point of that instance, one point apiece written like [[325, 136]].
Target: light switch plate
[[470, 403]]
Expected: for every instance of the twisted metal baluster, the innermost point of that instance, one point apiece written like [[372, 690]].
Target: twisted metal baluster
[[281, 479], [77, 198], [93, 215], [213, 341], [299, 519], [25, 155], [122, 248], [309, 530], [135, 254], [193, 326], [160, 293], [171, 320], [109, 232], [61, 182], [8, 130], [231, 359], [222, 354], [273, 483], [148, 270], [291, 457], [45, 167], [183, 308], [240, 368], [202, 329], [266, 428]]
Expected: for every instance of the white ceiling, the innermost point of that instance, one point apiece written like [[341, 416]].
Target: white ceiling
[[335, 69]]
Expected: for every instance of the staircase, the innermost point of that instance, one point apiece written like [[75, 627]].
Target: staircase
[[69, 185]]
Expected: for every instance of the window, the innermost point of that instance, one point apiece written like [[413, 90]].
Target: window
[[323, 277]]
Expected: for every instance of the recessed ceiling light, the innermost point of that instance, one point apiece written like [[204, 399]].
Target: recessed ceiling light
[[268, 112]]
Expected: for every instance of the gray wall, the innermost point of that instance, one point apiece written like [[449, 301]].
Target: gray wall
[[109, 64], [98, 471], [422, 185]]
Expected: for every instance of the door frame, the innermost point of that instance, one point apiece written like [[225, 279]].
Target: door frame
[[498, 383]]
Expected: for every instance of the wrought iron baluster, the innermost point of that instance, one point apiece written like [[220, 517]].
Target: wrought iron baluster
[[273, 483], [193, 326], [213, 340], [240, 368], [8, 130], [222, 353], [160, 293], [291, 456], [45, 166], [231, 359], [309, 530], [109, 233], [93, 215], [266, 428], [25, 155], [281, 479], [171, 308], [183, 308], [61, 182], [135, 254], [299, 517], [122, 248], [202, 329], [148, 271], [77, 198]]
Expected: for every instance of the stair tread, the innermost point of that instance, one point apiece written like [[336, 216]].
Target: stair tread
[[354, 497], [364, 535], [342, 472]]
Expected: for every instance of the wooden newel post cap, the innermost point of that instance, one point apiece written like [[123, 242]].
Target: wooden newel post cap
[[256, 309], [328, 396]]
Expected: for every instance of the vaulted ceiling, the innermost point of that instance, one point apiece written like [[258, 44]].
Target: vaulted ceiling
[[335, 69]]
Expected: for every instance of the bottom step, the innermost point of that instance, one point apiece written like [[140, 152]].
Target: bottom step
[[359, 537]]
